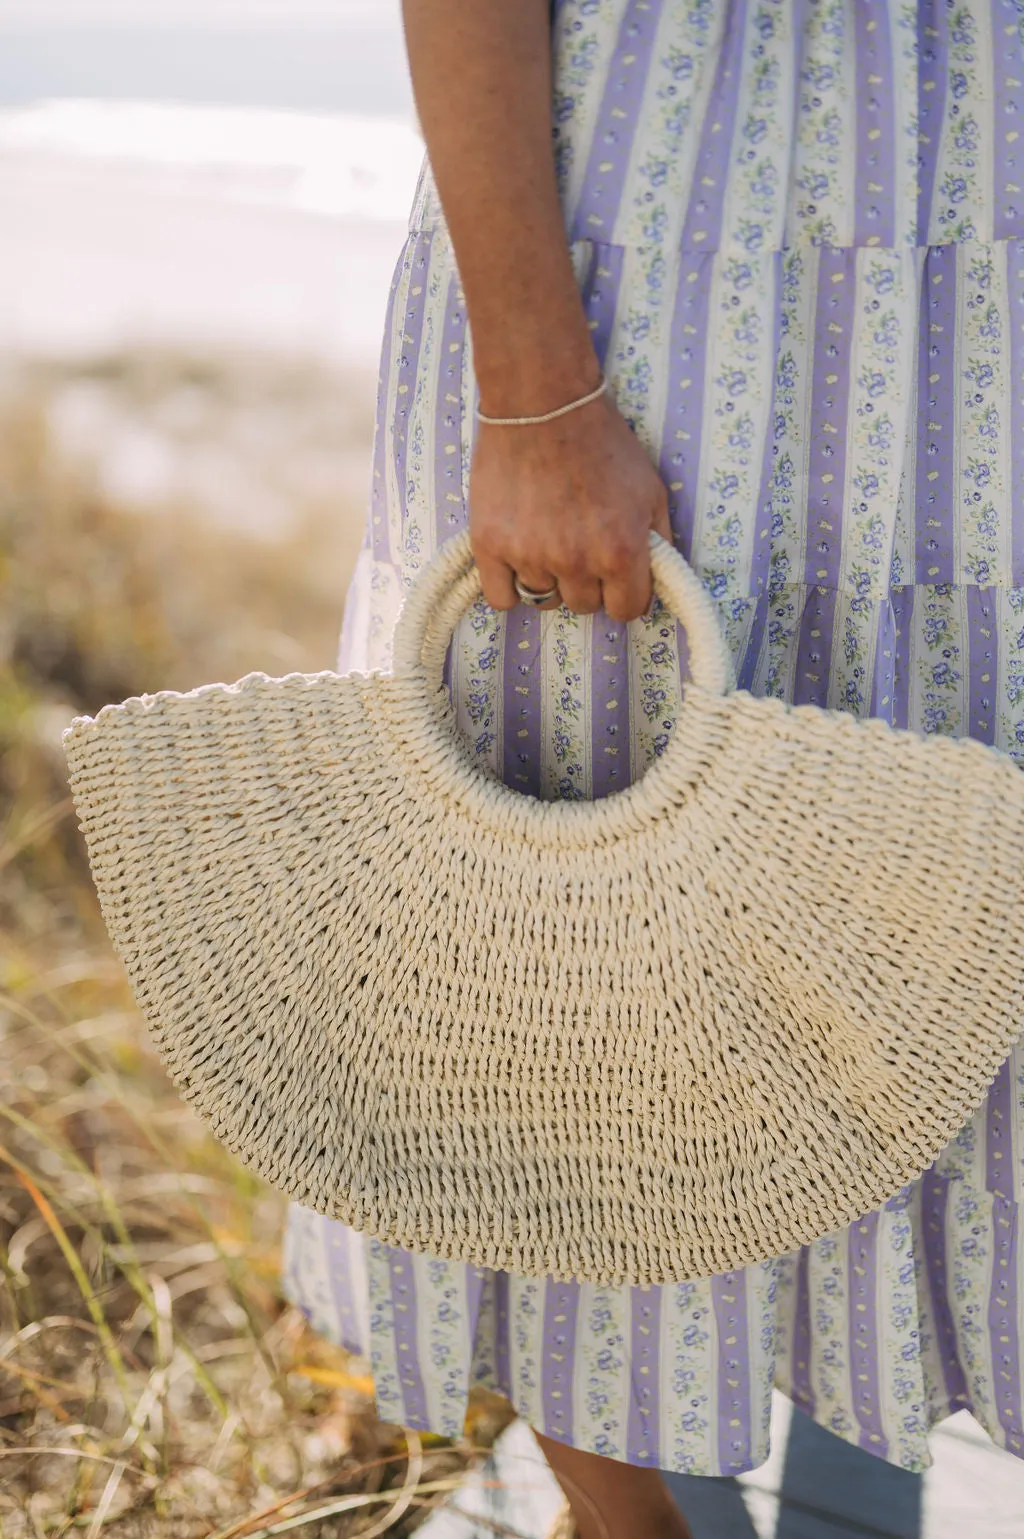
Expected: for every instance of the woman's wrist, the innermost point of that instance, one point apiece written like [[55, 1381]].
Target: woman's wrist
[[525, 374]]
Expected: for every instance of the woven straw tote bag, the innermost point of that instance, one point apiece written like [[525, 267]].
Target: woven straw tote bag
[[711, 1017]]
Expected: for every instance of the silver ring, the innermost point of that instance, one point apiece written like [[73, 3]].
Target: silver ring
[[533, 596]]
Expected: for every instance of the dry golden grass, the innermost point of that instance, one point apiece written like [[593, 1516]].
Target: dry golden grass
[[152, 1380]]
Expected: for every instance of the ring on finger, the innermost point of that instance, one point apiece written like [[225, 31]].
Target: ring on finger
[[533, 596]]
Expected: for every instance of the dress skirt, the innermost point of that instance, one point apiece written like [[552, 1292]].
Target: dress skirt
[[798, 230]]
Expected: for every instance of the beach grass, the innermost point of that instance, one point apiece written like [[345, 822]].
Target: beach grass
[[152, 1379]]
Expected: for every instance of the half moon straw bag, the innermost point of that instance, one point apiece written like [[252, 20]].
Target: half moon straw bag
[[706, 1019]]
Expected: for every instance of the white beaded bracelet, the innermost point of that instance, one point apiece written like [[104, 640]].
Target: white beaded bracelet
[[548, 416]]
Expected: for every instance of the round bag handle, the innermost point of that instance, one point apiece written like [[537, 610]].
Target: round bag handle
[[450, 583]]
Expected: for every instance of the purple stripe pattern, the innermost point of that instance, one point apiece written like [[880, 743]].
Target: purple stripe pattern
[[1007, 120], [982, 663], [1004, 1317], [503, 1343], [1015, 407], [681, 432], [449, 471], [934, 1199], [609, 678], [903, 655], [830, 399], [760, 561], [609, 689], [561, 1306], [600, 292], [449, 490], [936, 505], [643, 1426], [933, 75], [406, 1339], [702, 230], [883, 681], [861, 532], [752, 652], [521, 691], [729, 1293], [863, 1285], [802, 1389], [875, 196], [407, 360], [814, 651], [605, 178]]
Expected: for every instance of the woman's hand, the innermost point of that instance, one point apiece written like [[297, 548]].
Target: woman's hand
[[570, 502], [573, 499]]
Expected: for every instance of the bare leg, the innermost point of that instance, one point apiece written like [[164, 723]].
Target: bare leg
[[611, 1500]]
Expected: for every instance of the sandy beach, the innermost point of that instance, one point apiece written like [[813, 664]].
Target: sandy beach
[[165, 234], [133, 224]]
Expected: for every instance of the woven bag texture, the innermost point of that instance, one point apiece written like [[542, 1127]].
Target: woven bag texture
[[707, 1019]]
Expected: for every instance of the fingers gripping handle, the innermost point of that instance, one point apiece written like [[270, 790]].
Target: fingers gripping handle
[[450, 583]]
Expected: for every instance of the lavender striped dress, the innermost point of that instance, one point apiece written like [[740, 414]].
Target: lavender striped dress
[[798, 228]]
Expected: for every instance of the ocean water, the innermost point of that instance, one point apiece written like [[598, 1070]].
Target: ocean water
[[356, 68], [343, 166], [202, 173]]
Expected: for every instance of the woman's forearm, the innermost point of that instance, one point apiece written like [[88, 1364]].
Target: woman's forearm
[[481, 73], [567, 503]]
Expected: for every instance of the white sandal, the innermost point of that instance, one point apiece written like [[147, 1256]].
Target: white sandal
[[564, 1526]]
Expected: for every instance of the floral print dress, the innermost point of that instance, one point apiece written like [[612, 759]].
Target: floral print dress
[[798, 230]]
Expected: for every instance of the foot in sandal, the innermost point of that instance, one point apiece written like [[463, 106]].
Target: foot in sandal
[[607, 1499]]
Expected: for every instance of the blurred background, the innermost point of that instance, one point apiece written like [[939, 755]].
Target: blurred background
[[201, 204]]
